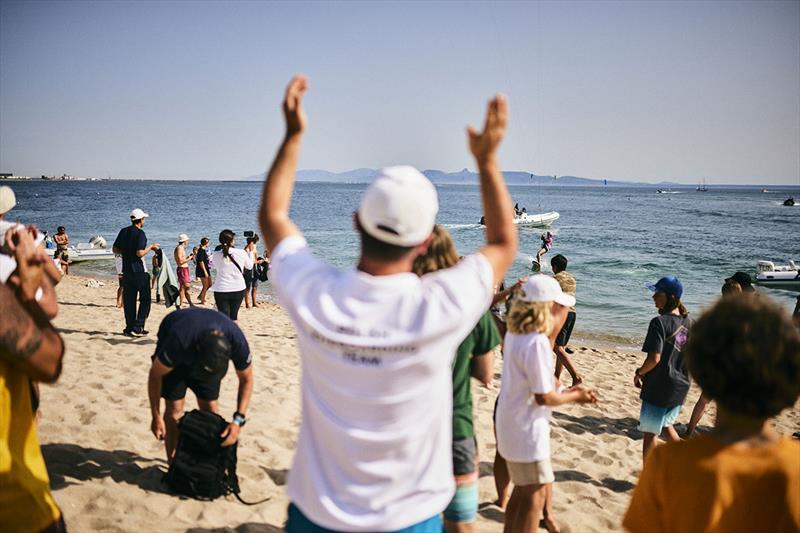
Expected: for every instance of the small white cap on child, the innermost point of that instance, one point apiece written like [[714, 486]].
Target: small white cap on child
[[542, 288]]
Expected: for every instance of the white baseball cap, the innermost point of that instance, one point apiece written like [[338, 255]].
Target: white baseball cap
[[7, 199], [542, 288], [183, 238], [399, 207], [138, 214]]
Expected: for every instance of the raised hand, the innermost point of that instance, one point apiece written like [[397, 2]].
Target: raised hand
[[483, 145], [293, 105], [30, 264]]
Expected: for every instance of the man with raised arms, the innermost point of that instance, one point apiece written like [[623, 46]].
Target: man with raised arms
[[376, 342]]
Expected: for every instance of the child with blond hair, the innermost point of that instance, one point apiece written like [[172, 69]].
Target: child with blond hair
[[527, 396]]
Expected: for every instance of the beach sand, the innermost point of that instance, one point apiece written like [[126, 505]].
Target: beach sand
[[105, 466]]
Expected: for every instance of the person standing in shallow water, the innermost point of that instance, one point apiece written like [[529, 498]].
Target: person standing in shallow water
[[367, 333], [663, 376]]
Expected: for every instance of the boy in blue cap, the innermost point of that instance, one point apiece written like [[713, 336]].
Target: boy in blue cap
[[663, 376]]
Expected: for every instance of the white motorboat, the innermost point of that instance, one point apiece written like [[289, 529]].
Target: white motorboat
[[541, 220], [781, 276], [93, 250]]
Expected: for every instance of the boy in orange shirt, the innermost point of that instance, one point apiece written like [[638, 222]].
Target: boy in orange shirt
[[745, 354]]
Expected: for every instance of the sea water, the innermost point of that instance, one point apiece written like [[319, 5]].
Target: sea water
[[617, 240]]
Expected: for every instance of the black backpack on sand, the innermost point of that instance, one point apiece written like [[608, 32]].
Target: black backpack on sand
[[202, 468]]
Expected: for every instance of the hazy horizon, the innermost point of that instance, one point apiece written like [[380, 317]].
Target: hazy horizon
[[624, 91]]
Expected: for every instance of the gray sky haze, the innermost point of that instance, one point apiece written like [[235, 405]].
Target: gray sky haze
[[639, 91]]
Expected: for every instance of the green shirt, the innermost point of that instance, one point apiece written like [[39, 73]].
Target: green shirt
[[482, 339]]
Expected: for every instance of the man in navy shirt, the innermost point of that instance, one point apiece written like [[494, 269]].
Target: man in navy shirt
[[193, 350], [131, 242]]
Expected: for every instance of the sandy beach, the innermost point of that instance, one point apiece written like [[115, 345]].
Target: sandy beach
[[106, 467]]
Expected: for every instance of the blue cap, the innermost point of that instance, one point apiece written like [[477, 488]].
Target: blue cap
[[668, 285]]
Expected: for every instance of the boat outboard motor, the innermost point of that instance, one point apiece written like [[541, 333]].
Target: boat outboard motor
[[97, 241]]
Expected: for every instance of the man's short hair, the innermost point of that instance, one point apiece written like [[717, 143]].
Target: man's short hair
[[744, 353], [558, 262], [375, 249], [214, 352]]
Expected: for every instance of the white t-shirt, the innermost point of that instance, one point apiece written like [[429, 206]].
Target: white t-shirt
[[523, 426], [374, 450], [251, 260], [229, 278]]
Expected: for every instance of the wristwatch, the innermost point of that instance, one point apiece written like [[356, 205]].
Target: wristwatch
[[239, 419]]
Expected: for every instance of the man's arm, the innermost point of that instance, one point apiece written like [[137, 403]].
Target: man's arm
[[38, 348], [276, 197], [482, 368], [501, 235], [147, 249], [231, 433], [157, 371]]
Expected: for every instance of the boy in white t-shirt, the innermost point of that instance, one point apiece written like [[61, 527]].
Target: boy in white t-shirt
[[376, 342], [527, 396]]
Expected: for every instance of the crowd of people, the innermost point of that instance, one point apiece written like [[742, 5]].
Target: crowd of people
[[388, 349], [236, 273]]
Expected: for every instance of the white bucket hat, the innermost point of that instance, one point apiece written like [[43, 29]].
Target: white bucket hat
[[542, 288], [7, 199], [183, 238], [138, 214], [399, 207]]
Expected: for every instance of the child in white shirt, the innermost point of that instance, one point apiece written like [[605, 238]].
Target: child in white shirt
[[527, 395]]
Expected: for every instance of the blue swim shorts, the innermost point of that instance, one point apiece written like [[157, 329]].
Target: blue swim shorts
[[297, 522], [653, 419]]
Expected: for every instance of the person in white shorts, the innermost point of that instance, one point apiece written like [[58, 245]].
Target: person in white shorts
[[376, 342]]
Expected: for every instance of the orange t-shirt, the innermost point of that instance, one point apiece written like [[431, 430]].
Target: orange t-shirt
[[704, 485]]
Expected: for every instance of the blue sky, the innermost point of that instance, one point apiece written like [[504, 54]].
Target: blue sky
[[622, 90]]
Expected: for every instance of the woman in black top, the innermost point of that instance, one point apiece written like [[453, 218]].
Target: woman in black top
[[203, 269]]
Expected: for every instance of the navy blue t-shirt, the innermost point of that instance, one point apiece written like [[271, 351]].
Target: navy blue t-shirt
[[180, 330], [130, 240], [668, 383]]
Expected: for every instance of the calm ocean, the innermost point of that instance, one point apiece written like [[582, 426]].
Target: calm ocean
[[616, 239]]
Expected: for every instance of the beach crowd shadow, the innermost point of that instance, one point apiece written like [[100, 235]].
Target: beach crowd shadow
[[68, 462], [248, 527], [83, 304], [615, 485], [599, 425]]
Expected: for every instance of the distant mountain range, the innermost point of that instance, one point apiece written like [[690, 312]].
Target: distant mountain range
[[464, 176]]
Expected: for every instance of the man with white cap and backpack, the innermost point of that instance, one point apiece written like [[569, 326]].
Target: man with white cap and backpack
[[131, 242], [376, 342]]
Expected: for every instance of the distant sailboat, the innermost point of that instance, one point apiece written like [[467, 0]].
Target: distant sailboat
[[702, 187]]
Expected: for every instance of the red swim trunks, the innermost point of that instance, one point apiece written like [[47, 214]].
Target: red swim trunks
[[184, 278]]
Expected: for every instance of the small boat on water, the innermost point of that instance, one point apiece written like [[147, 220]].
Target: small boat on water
[[789, 202], [93, 250], [541, 220], [780, 276], [702, 187], [667, 191]]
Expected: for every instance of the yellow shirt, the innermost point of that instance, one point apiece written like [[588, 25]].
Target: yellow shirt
[[25, 500], [704, 485]]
